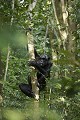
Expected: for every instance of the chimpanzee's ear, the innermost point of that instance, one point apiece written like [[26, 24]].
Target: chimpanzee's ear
[[36, 54]]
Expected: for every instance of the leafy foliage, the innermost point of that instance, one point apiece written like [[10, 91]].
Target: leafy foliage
[[62, 95]]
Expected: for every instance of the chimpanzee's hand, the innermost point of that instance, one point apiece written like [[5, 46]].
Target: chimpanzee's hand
[[32, 63]]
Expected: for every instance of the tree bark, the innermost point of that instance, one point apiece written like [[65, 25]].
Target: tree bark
[[35, 89], [7, 62], [71, 42]]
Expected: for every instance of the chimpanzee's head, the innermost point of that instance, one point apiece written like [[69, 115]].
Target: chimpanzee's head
[[41, 60]]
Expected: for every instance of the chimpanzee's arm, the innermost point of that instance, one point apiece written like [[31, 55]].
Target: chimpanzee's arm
[[35, 65], [29, 81], [43, 70], [41, 82], [35, 53]]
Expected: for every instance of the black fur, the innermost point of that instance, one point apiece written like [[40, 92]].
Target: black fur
[[42, 64]]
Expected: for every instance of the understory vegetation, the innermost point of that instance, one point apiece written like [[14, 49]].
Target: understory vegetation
[[52, 27]]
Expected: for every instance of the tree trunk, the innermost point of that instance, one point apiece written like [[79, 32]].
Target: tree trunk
[[35, 89], [7, 62], [33, 73], [71, 42]]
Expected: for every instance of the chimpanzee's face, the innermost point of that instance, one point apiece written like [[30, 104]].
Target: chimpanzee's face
[[41, 61]]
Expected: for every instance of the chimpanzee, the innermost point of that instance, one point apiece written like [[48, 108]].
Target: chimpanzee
[[43, 64]]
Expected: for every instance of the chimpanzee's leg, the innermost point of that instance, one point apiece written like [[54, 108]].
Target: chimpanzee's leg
[[26, 89], [41, 81]]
